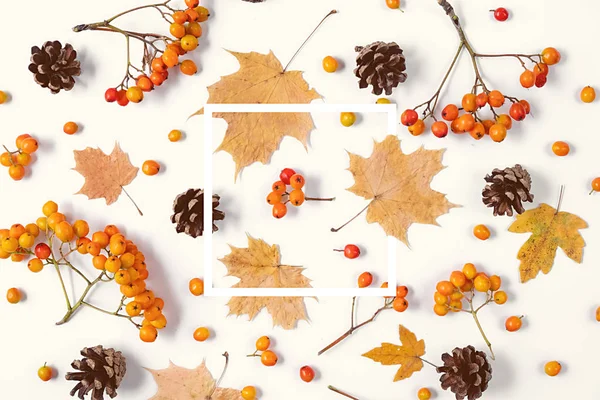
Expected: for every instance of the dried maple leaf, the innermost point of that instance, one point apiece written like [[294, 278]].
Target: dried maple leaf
[[550, 229], [408, 355], [253, 137], [177, 383], [259, 266], [105, 175], [398, 186]]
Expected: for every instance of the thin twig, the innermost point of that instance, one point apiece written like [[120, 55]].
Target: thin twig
[[338, 391], [351, 219]]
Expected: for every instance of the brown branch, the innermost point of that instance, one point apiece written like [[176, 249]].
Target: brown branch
[[338, 391]]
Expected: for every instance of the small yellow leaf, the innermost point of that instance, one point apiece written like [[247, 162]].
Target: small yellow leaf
[[406, 355], [549, 230]]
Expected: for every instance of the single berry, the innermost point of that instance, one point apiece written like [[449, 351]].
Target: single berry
[[297, 181], [439, 129], [424, 394], [268, 358], [440, 309], [365, 279], [401, 291], [517, 112], [440, 299], [279, 210], [330, 64], [481, 232], [383, 100], [595, 185], [393, 4], [13, 295], [285, 175], [122, 99], [196, 286], [500, 297], [201, 334], [552, 368], [70, 128], [3, 97], [150, 167], [175, 135], [527, 79], [409, 117], [501, 14], [496, 98], [400, 304], [469, 102], [16, 172], [307, 374], [297, 197], [481, 100], [189, 43], [188, 67], [495, 282], [347, 119], [110, 95], [513, 323], [148, 333], [45, 373], [279, 187], [351, 251], [249, 393], [458, 279], [550, 56], [445, 287], [274, 198], [560, 148], [526, 106], [588, 94], [42, 251], [263, 343], [498, 132], [450, 112], [482, 283], [417, 128]]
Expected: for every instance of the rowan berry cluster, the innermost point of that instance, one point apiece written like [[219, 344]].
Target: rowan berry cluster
[[161, 52], [17, 160], [117, 258], [461, 287], [280, 197], [267, 357]]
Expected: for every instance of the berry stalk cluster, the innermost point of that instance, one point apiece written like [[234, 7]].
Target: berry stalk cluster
[[463, 286], [161, 52], [113, 256], [468, 116], [17, 160]]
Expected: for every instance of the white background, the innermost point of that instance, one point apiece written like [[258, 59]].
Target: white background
[[559, 307]]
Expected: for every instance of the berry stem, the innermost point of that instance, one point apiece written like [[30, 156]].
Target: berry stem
[[340, 250], [351, 219], [319, 198], [474, 314], [308, 38], [338, 391], [387, 305]]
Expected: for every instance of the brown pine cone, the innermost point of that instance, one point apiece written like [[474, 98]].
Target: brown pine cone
[[54, 66], [381, 65], [508, 188], [101, 370], [188, 214], [466, 372]]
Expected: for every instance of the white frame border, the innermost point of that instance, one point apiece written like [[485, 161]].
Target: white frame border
[[209, 290]]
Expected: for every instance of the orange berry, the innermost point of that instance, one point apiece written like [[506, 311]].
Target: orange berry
[[550, 56], [23, 158], [445, 287], [495, 98], [135, 94], [400, 304], [188, 67], [192, 3], [552, 368], [13, 295], [81, 228], [296, 197], [180, 17], [54, 219], [249, 393], [498, 132], [70, 128], [495, 282], [469, 102], [466, 122], [467, 287], [417, 128], [99, 261], [455, 305], [6, 159], [440, 299], [203, 13], [160, 322], [424, 394], [45, 373], [481, 232], [560, 148], [64, 232], [527, 79], [365, 279], [439, 129], [144, 83], [297, 181], [20, 139], [279, 210], [598, 314], [482, 283], [101, 238], [170, 58], [193, 15], [148, 333], [500, 297], [194, 29], [401, 291], [196, 287], [263, 343], [16, 172], [455, 126], [35, 265], [16, 230], [526, 106], [450, 112], [513, 323], [201, 334], [440, 309], [487, 124], [177, 30], [133, 309], [330, 64], [482, 99], [189, 42], [150, 167], [93, 249], [478, 131], [393, 4], [458, 279], [268, 358]]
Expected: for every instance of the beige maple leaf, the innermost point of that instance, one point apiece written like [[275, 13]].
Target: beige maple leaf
[[259, 266], [397, 186], [253, 137], [178, 383], [408, 355], [105, 175]]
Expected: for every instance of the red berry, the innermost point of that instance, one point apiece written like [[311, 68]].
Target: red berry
[[351, 251], [307, 374], [122, 99], [501, 14], [439, 129], [517, 112], [286, 174], [42, 251], [409, 117], [110, 95], [540, 80]]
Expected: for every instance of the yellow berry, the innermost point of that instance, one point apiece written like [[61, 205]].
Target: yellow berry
[[347, 118], [330, 64], [49, 208], [175, 135], [383, 100]]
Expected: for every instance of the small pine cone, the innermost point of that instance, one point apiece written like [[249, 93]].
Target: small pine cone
[[508, 188], [188, 211], [466, 372], [381, 65], [54, 66], [101, 370]]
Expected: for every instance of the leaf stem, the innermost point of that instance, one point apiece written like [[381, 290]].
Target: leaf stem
[[351, 219], [308, 38], [134, 203], [338, 391], [427, 362]]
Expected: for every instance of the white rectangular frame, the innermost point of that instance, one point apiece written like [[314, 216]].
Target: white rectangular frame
[[209, 290]]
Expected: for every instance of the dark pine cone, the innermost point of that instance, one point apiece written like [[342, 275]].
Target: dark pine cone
[[101, 370], [54, 67], [466, 372], [381, 65], [188, 211], [508, 188]]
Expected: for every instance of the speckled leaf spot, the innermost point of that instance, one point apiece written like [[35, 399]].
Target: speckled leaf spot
[[105, 175], [253, 137], [397, 185], [408, 355], [178, 383], [259, 266], [549, 230]]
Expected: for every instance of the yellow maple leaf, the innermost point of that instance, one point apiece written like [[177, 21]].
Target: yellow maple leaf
[[105, 175], [398, 186], [408, 355], [178, 383], [549, 230], [259, 266], [253, 137]]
